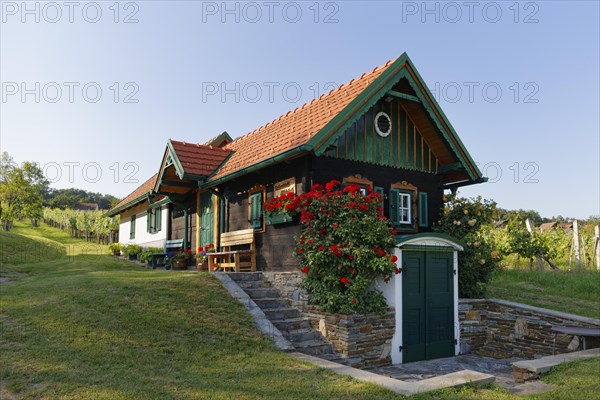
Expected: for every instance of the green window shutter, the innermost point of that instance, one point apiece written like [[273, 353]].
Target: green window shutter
[[132, 228], [158, 221], [394, 214], [255, 210], [379, 190], [423, 210], [148, 221]]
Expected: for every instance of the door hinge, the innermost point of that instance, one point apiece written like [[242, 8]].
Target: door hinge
[[401, 348], [454, 341], [454, 271]]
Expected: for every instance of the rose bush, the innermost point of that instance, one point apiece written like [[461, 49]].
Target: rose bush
[[344, 246]]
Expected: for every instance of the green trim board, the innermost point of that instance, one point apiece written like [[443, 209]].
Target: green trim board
[[219, 139], [178, 167], [289, 154], [127, 205]]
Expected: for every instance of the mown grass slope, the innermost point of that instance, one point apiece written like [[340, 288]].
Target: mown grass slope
[[83, 326]]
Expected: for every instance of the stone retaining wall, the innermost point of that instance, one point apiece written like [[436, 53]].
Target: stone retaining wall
[[364, 339], [286, 283], [502, 329]]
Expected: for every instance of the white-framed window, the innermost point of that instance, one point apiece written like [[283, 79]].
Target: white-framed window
[[404, 208]]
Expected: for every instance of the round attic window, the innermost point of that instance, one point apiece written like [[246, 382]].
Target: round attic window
[[383, 124]]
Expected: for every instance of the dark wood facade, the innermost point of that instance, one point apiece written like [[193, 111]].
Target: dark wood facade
[[176, 228], [275, 243]]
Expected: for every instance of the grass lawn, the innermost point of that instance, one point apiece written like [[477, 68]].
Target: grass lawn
[[94, 327], [572, 292]]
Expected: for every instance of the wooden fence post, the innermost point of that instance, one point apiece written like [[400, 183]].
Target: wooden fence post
[[576, 245]]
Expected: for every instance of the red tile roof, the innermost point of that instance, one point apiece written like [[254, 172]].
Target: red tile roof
[[294, 128], [198, 159], [141, 190]]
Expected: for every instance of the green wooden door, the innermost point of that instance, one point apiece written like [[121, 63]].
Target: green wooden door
[[207, 219], [427, 305]]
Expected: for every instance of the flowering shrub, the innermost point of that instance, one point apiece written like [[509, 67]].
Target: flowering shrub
[[469, 220], [343, 248]]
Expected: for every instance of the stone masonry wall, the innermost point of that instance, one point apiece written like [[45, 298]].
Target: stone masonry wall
[[364, 339], [502, 329], [286, 283]]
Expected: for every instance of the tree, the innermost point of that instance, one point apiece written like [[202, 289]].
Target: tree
[[21, 191]]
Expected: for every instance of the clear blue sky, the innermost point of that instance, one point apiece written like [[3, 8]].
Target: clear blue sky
[[198, 68]]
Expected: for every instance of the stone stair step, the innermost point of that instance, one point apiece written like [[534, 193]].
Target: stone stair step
[[253, 284], [313, 347], [302, 334], [290, 324], [281, 313], [267, 303], [261, 293], [246, 276]]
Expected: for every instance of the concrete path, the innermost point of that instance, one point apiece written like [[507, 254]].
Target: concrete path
[[453, 379], [417, 371]]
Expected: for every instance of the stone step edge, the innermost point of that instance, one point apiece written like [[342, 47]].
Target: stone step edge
[[258, 316], [545, 364], [454, 379]]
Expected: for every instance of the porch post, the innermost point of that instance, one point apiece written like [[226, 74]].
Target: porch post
[[185, 228]]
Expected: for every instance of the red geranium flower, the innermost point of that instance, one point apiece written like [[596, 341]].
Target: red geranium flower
[[354, 300], [394, 259], [344, 280], [305, 270], [321, 248]]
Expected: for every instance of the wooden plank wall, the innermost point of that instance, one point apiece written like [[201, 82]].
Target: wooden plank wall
[[403, 148], [274, 243]]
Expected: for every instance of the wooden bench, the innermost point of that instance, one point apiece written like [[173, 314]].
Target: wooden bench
[[169, 244], [232, 258]]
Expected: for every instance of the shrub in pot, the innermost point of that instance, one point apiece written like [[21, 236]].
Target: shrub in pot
[[116, 248], [180, 260], [132, 251]]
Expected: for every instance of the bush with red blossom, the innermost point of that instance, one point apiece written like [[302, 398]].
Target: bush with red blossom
[[344, 247]]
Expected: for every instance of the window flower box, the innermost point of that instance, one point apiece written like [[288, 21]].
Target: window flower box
[[280, 218]]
